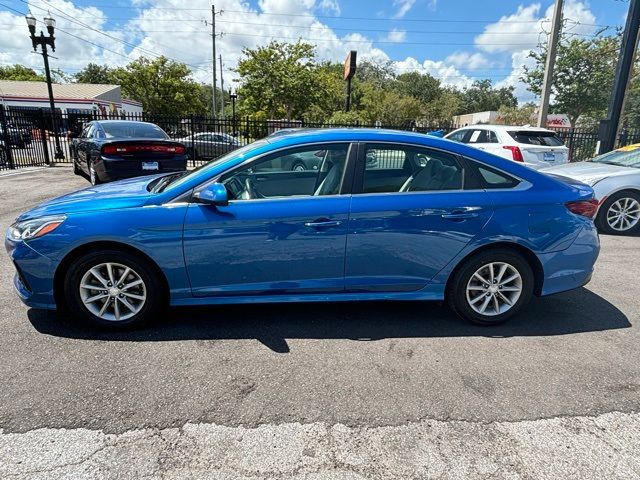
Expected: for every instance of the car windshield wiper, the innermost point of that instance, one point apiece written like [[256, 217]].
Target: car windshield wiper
[[164, 182]]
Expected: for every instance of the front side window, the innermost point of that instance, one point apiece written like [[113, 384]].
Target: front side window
[[410, 169], [457, 136], [279, 175]]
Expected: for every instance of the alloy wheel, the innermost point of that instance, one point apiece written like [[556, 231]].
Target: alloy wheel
[[623, 214], [298, 168], [494, 288], [113, 291]]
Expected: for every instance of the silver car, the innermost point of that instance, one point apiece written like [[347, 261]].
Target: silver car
[[208, 144], [615, 178]]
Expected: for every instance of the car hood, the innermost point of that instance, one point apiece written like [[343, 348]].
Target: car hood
[[589, 172], [110, 196]]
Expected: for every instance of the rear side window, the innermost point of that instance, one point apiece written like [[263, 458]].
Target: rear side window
[[482, 136], [485, 177], [545, 139]]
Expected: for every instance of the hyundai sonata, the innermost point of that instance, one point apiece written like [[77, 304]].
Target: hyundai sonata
[[442, 221]]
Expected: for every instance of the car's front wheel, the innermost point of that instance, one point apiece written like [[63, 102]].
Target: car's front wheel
[[491, 287], [620, 214], [112, 289], [93, 175]]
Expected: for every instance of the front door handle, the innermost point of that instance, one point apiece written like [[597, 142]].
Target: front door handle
[[462, 213], [320, 223]]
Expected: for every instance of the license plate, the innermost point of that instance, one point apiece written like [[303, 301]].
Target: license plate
[[150, 165], [549, 157]]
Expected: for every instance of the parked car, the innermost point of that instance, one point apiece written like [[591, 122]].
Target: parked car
[[109, 150], [535, 147], [453, 223], [208, 144], [17, 137], [615, 177]]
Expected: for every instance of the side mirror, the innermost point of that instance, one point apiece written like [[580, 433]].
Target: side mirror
[[213, 194]]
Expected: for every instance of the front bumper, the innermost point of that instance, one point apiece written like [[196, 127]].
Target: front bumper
[[33, 280], [573, 267]]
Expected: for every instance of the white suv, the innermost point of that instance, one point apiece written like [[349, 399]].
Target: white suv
[[536, 147]]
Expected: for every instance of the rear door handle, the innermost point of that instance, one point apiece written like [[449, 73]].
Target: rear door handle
[[462, 213], [323, 223]]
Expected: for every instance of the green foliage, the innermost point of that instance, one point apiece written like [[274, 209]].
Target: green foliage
[[21, 73], [161, 85], [522, 115], [481, 96], [421, 86], [94, 73], [582, 77], [280, 79]]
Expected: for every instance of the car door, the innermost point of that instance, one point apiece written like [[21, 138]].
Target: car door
[[404, 230], [275, 237]]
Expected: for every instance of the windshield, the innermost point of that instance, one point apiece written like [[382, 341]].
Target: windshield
[[624, 157], [133, 130], [182, 178]]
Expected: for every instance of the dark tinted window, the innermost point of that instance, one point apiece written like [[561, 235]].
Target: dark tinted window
[[545, 139], [481, 136], [133, 130], [457, 136], [391, 168]]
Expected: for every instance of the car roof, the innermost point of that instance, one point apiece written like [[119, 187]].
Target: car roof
[[506, 127], [111, 122]]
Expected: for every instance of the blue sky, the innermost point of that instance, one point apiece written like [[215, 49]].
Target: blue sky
[[456, 41]]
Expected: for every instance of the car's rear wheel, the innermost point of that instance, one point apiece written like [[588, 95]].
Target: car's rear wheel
[[112, 289], [620, 214], [298, 167], [491, 287], [93, 175]]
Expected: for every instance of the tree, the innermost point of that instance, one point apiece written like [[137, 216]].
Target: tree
[[19, 72], [161, 85], [388, 107], [520, 115], [94, 73], [582, 77], [481, 96], [421, 86], [280, 79], [442, 109]]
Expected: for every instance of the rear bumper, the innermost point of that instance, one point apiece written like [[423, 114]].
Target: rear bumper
[[571, 268], [109, 169]]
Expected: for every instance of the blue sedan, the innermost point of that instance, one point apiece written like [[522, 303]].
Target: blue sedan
[[430, 220]]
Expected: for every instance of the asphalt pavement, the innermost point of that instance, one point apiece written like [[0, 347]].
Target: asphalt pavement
[[566, 370]]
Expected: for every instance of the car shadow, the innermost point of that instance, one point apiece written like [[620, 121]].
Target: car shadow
[[272, 324]]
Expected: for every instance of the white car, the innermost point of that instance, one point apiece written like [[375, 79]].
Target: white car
[[615, 179], [535, 147]]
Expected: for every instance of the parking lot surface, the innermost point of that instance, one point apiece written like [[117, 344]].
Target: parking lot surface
[[413, 384]]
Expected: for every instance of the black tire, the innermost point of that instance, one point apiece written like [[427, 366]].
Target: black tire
[[456, 294], [153, 289], [601, 220], [93, 175], [76, 170]]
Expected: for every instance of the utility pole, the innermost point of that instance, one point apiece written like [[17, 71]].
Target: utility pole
[[221, 90], [609, 126], [213, 40], [551, 60]]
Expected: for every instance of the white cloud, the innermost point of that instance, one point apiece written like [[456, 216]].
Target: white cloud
[[329, 6], [526, 28], [467, 60], [396, 36], [447, 74], [403, 7]]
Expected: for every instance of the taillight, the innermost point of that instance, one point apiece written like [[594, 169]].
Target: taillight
[[129, 148], [586, 208], [515, 152]]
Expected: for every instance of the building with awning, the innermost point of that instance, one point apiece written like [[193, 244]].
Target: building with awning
[[71, 99]]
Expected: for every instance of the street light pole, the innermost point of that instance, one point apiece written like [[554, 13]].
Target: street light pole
[[43, 42]]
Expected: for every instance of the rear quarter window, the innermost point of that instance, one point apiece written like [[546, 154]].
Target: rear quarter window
[[544, 139], [484, 177]]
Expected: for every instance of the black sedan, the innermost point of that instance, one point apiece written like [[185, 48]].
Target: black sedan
[[109, 150]]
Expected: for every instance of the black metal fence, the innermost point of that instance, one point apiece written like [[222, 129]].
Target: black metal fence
[[27, 137]]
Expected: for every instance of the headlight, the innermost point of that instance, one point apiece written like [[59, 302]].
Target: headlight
[[34, 228]]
